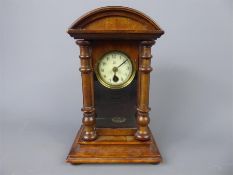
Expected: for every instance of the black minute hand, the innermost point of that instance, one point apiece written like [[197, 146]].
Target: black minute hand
[[121, 64]]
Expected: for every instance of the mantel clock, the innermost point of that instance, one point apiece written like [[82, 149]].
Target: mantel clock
[[115, 56]]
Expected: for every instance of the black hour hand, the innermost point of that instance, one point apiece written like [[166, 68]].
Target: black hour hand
[[115, 78]]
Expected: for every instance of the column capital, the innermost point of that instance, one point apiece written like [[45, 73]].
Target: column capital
[[82, 42], [148, 43]]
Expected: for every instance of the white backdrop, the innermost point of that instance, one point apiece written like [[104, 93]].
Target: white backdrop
[[191, 87]]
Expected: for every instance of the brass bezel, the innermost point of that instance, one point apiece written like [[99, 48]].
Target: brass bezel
[[110, 86]]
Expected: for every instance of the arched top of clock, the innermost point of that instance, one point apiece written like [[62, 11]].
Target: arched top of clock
[[115, 22]]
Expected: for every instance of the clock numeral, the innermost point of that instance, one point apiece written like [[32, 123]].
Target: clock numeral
[[110, 80], [104, 63], [104, 76], [113, 56], [102, 70], [127, 68], [122, 79]]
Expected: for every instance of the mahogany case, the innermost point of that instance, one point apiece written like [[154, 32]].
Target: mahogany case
[[115, 28]]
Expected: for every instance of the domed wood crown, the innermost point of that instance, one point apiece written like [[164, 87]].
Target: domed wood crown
[[115, 22]]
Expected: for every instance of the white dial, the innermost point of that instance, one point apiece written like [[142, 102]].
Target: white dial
[[115, 70]]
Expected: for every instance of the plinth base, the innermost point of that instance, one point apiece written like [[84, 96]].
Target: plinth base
[[113, 146]]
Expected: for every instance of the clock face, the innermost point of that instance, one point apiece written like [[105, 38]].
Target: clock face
[[115, 70]]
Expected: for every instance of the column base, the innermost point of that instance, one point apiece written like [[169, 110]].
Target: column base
[[90, 136], [142, 137]]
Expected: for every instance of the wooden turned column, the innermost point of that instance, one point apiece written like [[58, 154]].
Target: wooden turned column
[[143, 109], [88, 90]]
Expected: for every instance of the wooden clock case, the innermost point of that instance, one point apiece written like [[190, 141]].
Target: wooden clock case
[[98, 32]]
